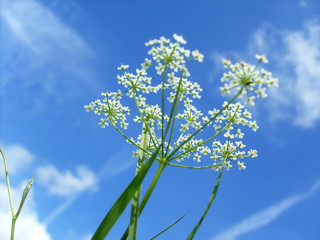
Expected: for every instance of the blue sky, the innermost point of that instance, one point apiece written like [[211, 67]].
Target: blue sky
[[57, 56]]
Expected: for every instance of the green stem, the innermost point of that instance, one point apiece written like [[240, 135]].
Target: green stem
[[205, 125], [212, 197], [8, 183], [148, 193], [190, 167], [136, 197], [13, 224]]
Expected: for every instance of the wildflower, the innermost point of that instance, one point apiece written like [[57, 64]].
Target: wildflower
[[198, 56], [179, 39], [169, 59], [248, 79], [112, 110], [227, 153], [261, 58]]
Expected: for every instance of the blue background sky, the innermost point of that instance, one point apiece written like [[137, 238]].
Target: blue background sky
[[57, 56]]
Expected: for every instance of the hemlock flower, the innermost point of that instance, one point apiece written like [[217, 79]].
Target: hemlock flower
[[248, 78], [198, 56], [169, 59], [112, 110], [226, 154]]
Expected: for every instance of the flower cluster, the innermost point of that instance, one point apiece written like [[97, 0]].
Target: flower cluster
[[112, 110], [232, 115], [248, 78], [169, 59], [171, 55], [228, 153]]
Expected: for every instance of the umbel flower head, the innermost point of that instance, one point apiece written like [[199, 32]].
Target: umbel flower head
[[249, 78], [176, 94]]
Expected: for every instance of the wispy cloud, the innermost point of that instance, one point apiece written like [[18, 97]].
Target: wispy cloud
[[66, 184], [265, 216], [114, 166], [18, 157], [296, 55], [42, 53]]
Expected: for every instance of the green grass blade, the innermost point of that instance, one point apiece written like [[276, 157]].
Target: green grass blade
[[147, 194], [212, 197], [168, 227], [123, 201]]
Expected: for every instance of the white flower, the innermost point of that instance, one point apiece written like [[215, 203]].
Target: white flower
[[261, 58], [198, 56], [112, 109], [123, 67], [179, 39], [248, 78]]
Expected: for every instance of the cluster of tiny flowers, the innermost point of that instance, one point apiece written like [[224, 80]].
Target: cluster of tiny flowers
[[249, 78], [169, 59], [191, 116], [136, 82], [233, 115], [112, 110], [228, 120], [164, 54], [172, 55], [228, 153]]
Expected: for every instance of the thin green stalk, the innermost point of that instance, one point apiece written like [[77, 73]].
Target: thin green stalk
[[212, 197], [8, 183], [119, 206], [200, 129], [13, 224], [200, 144], [168, 227], [190, 167], [173, 113], [24, 196], [148, 193], [136, 197], [162, 108]]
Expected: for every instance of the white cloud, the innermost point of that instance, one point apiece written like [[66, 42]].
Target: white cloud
[[113, 167], [28, 226], [17, 158], [265, 216], [296, 55], [42, 53], [41, 31], [303, 52], [66, 184]]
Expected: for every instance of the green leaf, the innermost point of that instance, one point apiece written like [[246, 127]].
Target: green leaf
[[212, 197], [124, 199], [168, 227], [24, 195]]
